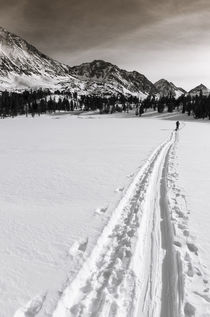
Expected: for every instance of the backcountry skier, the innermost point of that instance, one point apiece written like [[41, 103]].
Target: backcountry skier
[[177, 125]]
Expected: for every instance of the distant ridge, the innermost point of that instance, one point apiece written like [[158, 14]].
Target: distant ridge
[[104, 76], [23, 66], [198, 89], [167, 89]]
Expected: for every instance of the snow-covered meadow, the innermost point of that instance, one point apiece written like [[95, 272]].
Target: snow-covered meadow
[[193, 179], [61, 177], [193, 158]]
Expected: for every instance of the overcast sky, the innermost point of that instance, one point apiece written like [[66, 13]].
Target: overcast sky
[[159, 38]]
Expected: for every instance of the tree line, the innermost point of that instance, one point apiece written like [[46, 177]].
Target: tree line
[[197, 106], [40, 101], [33, 102]]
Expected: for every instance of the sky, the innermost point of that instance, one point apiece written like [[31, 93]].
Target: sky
[[159, 38]]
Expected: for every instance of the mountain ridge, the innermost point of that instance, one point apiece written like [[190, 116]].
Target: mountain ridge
[[16, 54], [167, 89], [99, 71], [23, 66], [198, 89]]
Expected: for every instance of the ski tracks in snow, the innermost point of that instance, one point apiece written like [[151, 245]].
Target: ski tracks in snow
[[133, 270], [145, 262]]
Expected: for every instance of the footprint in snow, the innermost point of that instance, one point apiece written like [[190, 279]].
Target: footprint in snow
[[177, 243], [130, 175], [33, 307], [190, 271], [192, 247], [181, 226], [189, 310], [119, 189], [101, 210], [186, 233], [78, 247]]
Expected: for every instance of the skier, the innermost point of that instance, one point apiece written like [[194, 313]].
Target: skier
[[141, 110], [137, 110], [177, 125]]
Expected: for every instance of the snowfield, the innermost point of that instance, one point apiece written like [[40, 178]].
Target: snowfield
[[193, 179], [58, 181], [104, 216]]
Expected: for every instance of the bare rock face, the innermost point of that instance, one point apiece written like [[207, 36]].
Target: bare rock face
[[20, 57], [101, 74], [168, 89]]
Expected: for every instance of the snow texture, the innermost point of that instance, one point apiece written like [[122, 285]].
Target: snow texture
[[104, 217], [55, 174]]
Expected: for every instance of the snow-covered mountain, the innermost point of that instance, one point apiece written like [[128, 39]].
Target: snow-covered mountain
[[166, 88], [106, 77], [24, 66], [198, 89]]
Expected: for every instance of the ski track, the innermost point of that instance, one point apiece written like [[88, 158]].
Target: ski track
[[146, 262], [134, 269]]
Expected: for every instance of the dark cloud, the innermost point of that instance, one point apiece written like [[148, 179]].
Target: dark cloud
[[121, 31], [82, 24]]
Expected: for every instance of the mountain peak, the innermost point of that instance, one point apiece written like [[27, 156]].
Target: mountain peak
[[3, 30], [162, 80], [197, 89], [24, 66], [201, 86], [101, 62], [167, 88], [21, 64], [100, 72], [95, 65]]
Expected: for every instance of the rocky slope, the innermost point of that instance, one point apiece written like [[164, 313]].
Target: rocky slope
[[23, 66], [198, 89], [105, 77], [167, 89]]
